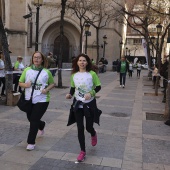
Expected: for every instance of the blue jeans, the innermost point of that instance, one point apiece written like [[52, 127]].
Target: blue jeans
[[122, 76]]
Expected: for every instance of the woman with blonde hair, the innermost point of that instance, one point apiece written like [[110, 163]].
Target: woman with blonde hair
[[41, 95]]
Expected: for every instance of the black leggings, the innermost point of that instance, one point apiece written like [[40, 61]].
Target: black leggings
[[34, 118], [138, 73], [79, 115]]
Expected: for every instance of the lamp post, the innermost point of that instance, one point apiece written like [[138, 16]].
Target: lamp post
[[37, 3], [87, 26], [104, 42], [120, 45], [126, 51], [158, 57], [152, 44]]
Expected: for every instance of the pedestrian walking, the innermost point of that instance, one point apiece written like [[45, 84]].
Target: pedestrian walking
[[154, 75], [19, 66], [138, 69], [41, 95], [122, 69], [84, 85], [130, 69], [2, 75]]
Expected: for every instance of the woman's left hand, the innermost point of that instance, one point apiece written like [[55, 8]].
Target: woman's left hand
[[87, 96], [44, 91]]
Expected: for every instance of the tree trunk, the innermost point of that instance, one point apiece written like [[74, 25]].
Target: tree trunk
[[97, 38], [8, 64], [63, 5], [167, 104]]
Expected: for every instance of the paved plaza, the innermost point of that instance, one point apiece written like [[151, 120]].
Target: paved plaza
[[126, 139]]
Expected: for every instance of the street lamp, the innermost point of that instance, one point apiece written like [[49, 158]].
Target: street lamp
[[104, 42], [87, 26], [152, 44], [120, 45], [126, 51], [37, 3]]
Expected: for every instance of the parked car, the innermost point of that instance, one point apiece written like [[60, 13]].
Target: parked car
[[144, 66]]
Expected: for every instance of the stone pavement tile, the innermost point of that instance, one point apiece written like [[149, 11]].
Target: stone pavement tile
[[9, 131], [6, 165], [117, 103], [134, 142], [114, 124], [123, 96], [167, 138], [42, 142], [16, 116], [133, 154], [111, 162], [51, 116], [155, 128], [53, 164], [70, 157], [109, 109], [156, 151], [21, 156], [154, 106], [5, 147], [54, 155], [131, 165], [151, 166], [166, 167]]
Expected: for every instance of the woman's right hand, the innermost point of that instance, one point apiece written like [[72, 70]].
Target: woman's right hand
[[68, 96]]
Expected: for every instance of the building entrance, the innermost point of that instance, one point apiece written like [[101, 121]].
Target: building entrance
[[56, 51]]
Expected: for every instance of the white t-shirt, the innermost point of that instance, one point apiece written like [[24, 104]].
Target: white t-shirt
[[44, 79], [84, 82], [130, 66], [139, 66]]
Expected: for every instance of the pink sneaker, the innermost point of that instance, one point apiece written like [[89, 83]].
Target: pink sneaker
[[81, 156], [41, 132], [94, 140]]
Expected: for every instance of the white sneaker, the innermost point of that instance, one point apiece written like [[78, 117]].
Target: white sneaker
[[123, 86], [120, 85], [30, 147]]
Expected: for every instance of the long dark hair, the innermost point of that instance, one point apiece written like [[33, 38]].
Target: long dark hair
[[89, 66]]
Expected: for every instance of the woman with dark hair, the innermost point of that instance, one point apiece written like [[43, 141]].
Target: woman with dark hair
[[84, 85], [41, 95]]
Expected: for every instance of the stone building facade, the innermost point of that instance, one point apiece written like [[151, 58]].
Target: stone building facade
[[19, 34]]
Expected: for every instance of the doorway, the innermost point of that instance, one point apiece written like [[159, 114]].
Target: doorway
[[65, 57]]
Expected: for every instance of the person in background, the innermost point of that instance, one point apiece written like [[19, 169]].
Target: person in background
[[101, 65], [2, 75], [51, 63], [164, 74], [41, 95], [92, 61], [154, 75], [122, 69], [130, 69], [138, 69], [105, 63], [18, 66], [84, 85]]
